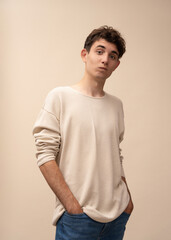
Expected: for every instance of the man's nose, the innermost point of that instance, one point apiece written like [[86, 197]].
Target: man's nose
[[105, 59]]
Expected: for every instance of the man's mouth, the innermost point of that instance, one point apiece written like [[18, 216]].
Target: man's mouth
[[103, 68]]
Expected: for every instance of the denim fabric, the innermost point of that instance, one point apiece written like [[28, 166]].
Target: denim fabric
[[82, 227]]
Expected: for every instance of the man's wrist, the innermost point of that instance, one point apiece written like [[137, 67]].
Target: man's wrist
[[73, 206]]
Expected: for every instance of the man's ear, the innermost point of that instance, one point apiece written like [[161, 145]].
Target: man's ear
[[117, 64], [84, 55]]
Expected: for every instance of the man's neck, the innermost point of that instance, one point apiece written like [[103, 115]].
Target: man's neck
[[90, 87]]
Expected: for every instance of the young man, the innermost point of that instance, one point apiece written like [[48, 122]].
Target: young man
[[77, 135]]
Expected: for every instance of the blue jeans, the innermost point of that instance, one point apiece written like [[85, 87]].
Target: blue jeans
[[82, 227]]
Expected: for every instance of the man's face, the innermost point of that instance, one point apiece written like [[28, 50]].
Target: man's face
[[101, 60]]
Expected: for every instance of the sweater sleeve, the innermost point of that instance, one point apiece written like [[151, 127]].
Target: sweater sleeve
[[121, 137], [121, 160], [46, 132]]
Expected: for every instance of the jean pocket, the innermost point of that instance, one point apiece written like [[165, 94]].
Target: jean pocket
[[126, 214], [74, 215]]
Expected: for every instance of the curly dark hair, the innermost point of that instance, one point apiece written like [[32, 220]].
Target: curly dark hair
[[109, 34]]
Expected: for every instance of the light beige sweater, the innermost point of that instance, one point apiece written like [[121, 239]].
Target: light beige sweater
[[83, 134]]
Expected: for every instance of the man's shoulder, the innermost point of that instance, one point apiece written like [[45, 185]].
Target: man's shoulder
[[56, 93], [53, 99], [58, 90], [115, 99]]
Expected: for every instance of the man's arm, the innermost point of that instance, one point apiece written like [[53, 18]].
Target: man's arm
[[55, 179], [130, 206]]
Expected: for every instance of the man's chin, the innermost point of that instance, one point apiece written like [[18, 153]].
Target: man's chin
[[103, 76]]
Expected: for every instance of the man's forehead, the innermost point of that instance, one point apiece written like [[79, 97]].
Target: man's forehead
[[105, 44]]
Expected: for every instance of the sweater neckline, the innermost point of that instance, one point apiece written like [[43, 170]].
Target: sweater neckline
[[79, 92]]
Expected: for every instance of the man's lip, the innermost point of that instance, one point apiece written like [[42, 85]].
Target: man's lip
[[103, 68]]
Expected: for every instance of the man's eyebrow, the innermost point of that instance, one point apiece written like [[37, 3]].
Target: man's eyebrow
[[101, 46]]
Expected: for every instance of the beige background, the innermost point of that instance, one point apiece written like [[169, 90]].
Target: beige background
[[40, 46]]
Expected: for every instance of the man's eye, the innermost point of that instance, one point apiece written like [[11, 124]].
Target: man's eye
[[99, 52], [113, 57]]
